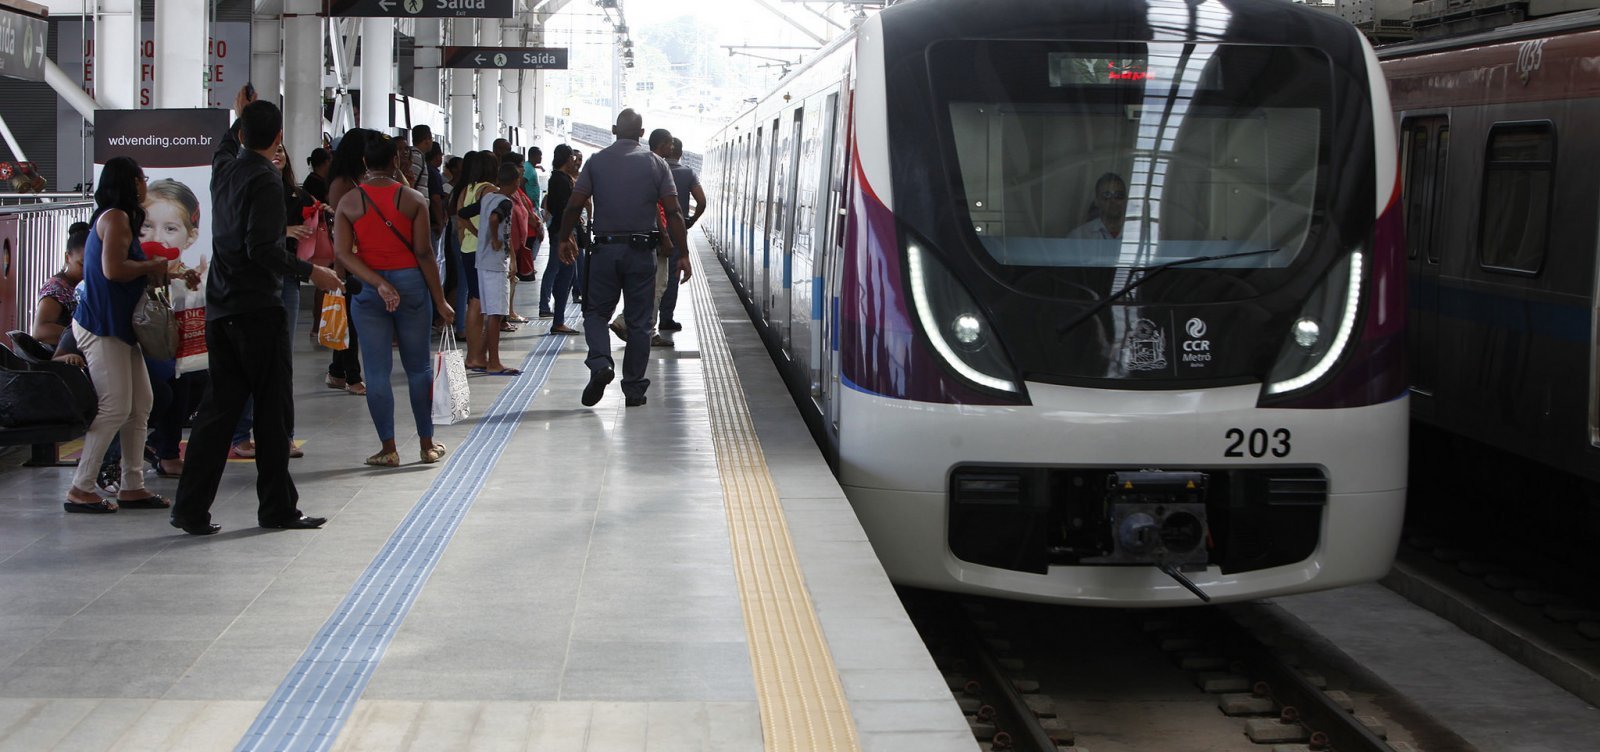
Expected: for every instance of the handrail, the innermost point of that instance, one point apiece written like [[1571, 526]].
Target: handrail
[[11, 203], [41, 247]]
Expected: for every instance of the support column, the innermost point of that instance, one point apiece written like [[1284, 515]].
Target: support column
[[488, 89], [512, 34], [266, 58], [180, 59], [377, 72], [116, 55], [533, 94], [463, 131], [430, 34], [302, 79]]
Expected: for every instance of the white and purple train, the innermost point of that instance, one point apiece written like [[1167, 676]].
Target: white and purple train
[[1090, 301]]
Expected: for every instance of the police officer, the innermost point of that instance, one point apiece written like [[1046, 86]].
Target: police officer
[[626, 181]]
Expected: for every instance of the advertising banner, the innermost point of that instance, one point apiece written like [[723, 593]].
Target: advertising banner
[[227, 68], [174, 148]]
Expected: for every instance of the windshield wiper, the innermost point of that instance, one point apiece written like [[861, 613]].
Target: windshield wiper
[[1148, 272]]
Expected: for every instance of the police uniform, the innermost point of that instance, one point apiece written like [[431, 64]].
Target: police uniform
[[626, 181]]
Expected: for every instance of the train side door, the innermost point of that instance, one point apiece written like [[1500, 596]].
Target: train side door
[[1425, 145], [783, 297], [830, 192], [758, 220], [769, 204]]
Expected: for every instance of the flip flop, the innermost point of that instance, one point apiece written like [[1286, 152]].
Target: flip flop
[[103, 506], [153, 501], [563, 329], [478, 369], [505, 372]]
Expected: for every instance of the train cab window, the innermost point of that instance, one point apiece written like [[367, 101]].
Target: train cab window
[[1136, 154], [1519, 172]]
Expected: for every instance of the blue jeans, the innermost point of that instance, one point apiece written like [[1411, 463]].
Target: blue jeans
[[291, 307], [412, 324], [669, 297], [620, 273], [558, 277]]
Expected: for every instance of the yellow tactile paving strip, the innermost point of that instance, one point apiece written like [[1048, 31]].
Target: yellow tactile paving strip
[[803, 707]]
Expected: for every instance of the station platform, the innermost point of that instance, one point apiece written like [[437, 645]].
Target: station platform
[[686, 575]]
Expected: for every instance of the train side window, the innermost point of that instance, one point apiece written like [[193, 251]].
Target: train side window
[[1519, 171], [1415, 187], [1440, 181]]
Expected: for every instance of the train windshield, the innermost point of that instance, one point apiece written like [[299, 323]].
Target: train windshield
[[1126, 155]]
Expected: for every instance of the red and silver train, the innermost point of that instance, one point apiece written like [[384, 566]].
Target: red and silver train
[[1499, 144], [1098, 301]]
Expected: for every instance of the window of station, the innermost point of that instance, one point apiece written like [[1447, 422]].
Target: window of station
[[1519, 172]]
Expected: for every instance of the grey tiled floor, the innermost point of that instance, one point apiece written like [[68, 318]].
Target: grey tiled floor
[[587, 600]]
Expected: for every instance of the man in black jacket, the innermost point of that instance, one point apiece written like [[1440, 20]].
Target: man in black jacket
[[245, 338]]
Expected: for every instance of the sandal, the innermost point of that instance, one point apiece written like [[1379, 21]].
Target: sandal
[[359, 389], [433, 454], [153, 501], [162, 471], [384, 459], [334, 382], [507, 327], [517, 319], [563, 329], [295, 452], [103, 506], [238, 452], [504, 372]]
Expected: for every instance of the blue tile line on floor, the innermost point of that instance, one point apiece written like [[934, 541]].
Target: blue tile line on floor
[[312, 704]]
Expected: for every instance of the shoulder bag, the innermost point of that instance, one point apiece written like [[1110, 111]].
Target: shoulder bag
[[155, 326]]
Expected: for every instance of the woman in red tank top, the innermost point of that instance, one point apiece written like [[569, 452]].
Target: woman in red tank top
[[380, 234]]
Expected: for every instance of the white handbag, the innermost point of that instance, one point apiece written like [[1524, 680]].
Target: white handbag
[[452, 399]]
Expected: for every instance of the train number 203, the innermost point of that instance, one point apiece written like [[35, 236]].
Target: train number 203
[[1257, 442]]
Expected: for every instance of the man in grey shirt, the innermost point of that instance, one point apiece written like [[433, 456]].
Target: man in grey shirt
[[688, 184], [626, 182]]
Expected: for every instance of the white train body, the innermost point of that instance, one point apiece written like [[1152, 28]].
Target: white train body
[[1091, 302]]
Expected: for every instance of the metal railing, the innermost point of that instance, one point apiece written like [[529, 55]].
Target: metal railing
[[42, 244], [31, 199]]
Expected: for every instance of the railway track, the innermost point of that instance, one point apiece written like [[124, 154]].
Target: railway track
[[1037, 678]]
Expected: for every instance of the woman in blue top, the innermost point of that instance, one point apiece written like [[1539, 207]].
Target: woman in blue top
[[115, 272]]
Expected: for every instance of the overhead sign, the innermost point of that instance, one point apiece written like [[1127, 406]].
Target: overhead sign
[[513, 58], [419, 8], [22, 39]]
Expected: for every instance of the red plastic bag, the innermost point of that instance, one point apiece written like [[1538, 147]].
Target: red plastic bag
[[318, 248]]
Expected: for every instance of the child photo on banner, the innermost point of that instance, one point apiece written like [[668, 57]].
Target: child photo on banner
[[174, 148], [171, 227]]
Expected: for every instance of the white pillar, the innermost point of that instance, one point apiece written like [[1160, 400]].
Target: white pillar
[[180, 58], [488, 89], [533, 96], [429, 36], [463, 131], [117, 62], [266, 58], [302, 79], [511, 35], [377, 72]]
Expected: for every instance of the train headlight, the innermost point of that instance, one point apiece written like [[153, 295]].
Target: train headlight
[[1306, 333], [967, 331], [1325, 327], [954, 324]]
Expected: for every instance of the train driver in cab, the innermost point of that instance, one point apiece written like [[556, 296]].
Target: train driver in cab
[[1109, 211]]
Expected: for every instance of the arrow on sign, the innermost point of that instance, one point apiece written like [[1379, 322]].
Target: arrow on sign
[[386, 5], [478, 59]]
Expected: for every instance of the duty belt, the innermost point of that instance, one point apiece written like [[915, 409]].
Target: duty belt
[[645, 241]]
